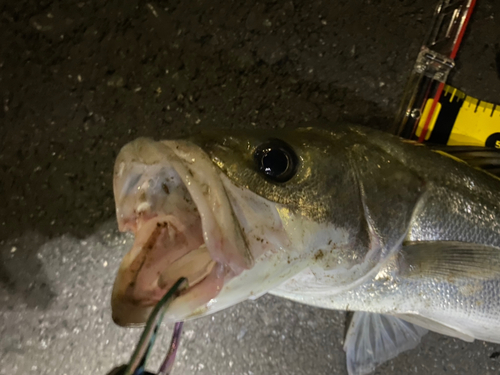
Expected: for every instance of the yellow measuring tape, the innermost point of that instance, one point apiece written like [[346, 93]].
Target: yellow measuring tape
[[462, 120]]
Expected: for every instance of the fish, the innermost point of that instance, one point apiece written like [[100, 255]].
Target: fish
[[343, 217]]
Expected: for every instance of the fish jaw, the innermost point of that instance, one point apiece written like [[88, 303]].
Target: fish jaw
[[169, 195]]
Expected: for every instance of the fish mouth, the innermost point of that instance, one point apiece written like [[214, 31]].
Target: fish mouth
[[169, 195]]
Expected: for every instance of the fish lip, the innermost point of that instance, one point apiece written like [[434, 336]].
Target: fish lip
[[136, 311]]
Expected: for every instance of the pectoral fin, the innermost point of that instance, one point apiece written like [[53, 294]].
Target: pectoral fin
[[373, 339], [450, 261], [462, 276]]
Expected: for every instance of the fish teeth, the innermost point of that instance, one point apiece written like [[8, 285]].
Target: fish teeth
[[142, 207]]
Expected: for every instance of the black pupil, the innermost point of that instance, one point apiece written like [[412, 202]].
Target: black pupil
[[275, 162]]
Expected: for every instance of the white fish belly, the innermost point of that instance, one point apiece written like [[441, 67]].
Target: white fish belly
[[467, 309]]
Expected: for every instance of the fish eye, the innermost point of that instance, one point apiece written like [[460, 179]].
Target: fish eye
[[276, 160]]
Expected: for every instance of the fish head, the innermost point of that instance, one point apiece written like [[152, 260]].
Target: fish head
[[236, 213]]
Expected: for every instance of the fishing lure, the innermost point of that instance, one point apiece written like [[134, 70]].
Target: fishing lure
[[137, 364]]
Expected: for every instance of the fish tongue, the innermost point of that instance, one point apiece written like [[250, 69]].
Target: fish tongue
[[195, 266]]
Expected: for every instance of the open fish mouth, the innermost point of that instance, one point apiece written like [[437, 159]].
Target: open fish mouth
[[169, 195]]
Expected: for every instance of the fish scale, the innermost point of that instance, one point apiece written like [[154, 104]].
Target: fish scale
[[448, 215]]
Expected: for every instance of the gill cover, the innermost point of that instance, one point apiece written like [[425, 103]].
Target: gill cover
[[342, 182]]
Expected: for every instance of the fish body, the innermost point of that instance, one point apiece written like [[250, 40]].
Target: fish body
[[347, 219]]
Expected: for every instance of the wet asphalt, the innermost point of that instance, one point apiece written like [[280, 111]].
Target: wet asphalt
[[79, 79]]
